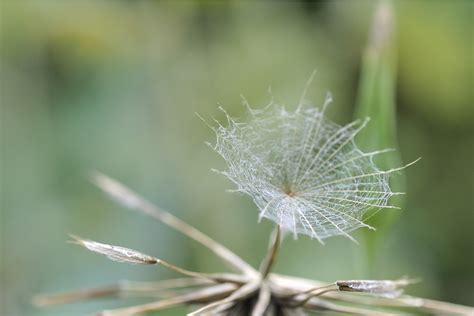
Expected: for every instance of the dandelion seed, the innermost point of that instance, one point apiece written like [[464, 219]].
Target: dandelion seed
[[303, 171]]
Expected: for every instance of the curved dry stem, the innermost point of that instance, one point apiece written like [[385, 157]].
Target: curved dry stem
[[318, 304], [130, 199], [239, 294], [263, 301], [122, 288], [206, 294], [269, 260]]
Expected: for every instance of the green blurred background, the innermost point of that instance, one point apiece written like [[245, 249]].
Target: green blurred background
[[113, 86]]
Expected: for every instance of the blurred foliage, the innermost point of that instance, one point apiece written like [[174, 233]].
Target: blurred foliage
[[113, 86], [376, 99]]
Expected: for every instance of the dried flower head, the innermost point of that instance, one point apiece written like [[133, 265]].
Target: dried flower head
[[248, 291], [303, 171]]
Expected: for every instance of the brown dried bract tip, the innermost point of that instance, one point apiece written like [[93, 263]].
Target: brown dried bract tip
[[115, 253]]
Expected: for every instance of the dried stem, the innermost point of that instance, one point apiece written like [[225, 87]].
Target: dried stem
[[211, 277], [79, 295], [263, 301], [239, 294], [318, 304], [123, 288], [209, 293], [300, 299], [444, 308], [269, 260], [132, 200]]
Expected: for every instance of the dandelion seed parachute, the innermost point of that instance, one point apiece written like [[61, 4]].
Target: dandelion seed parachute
[[303, 171]]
